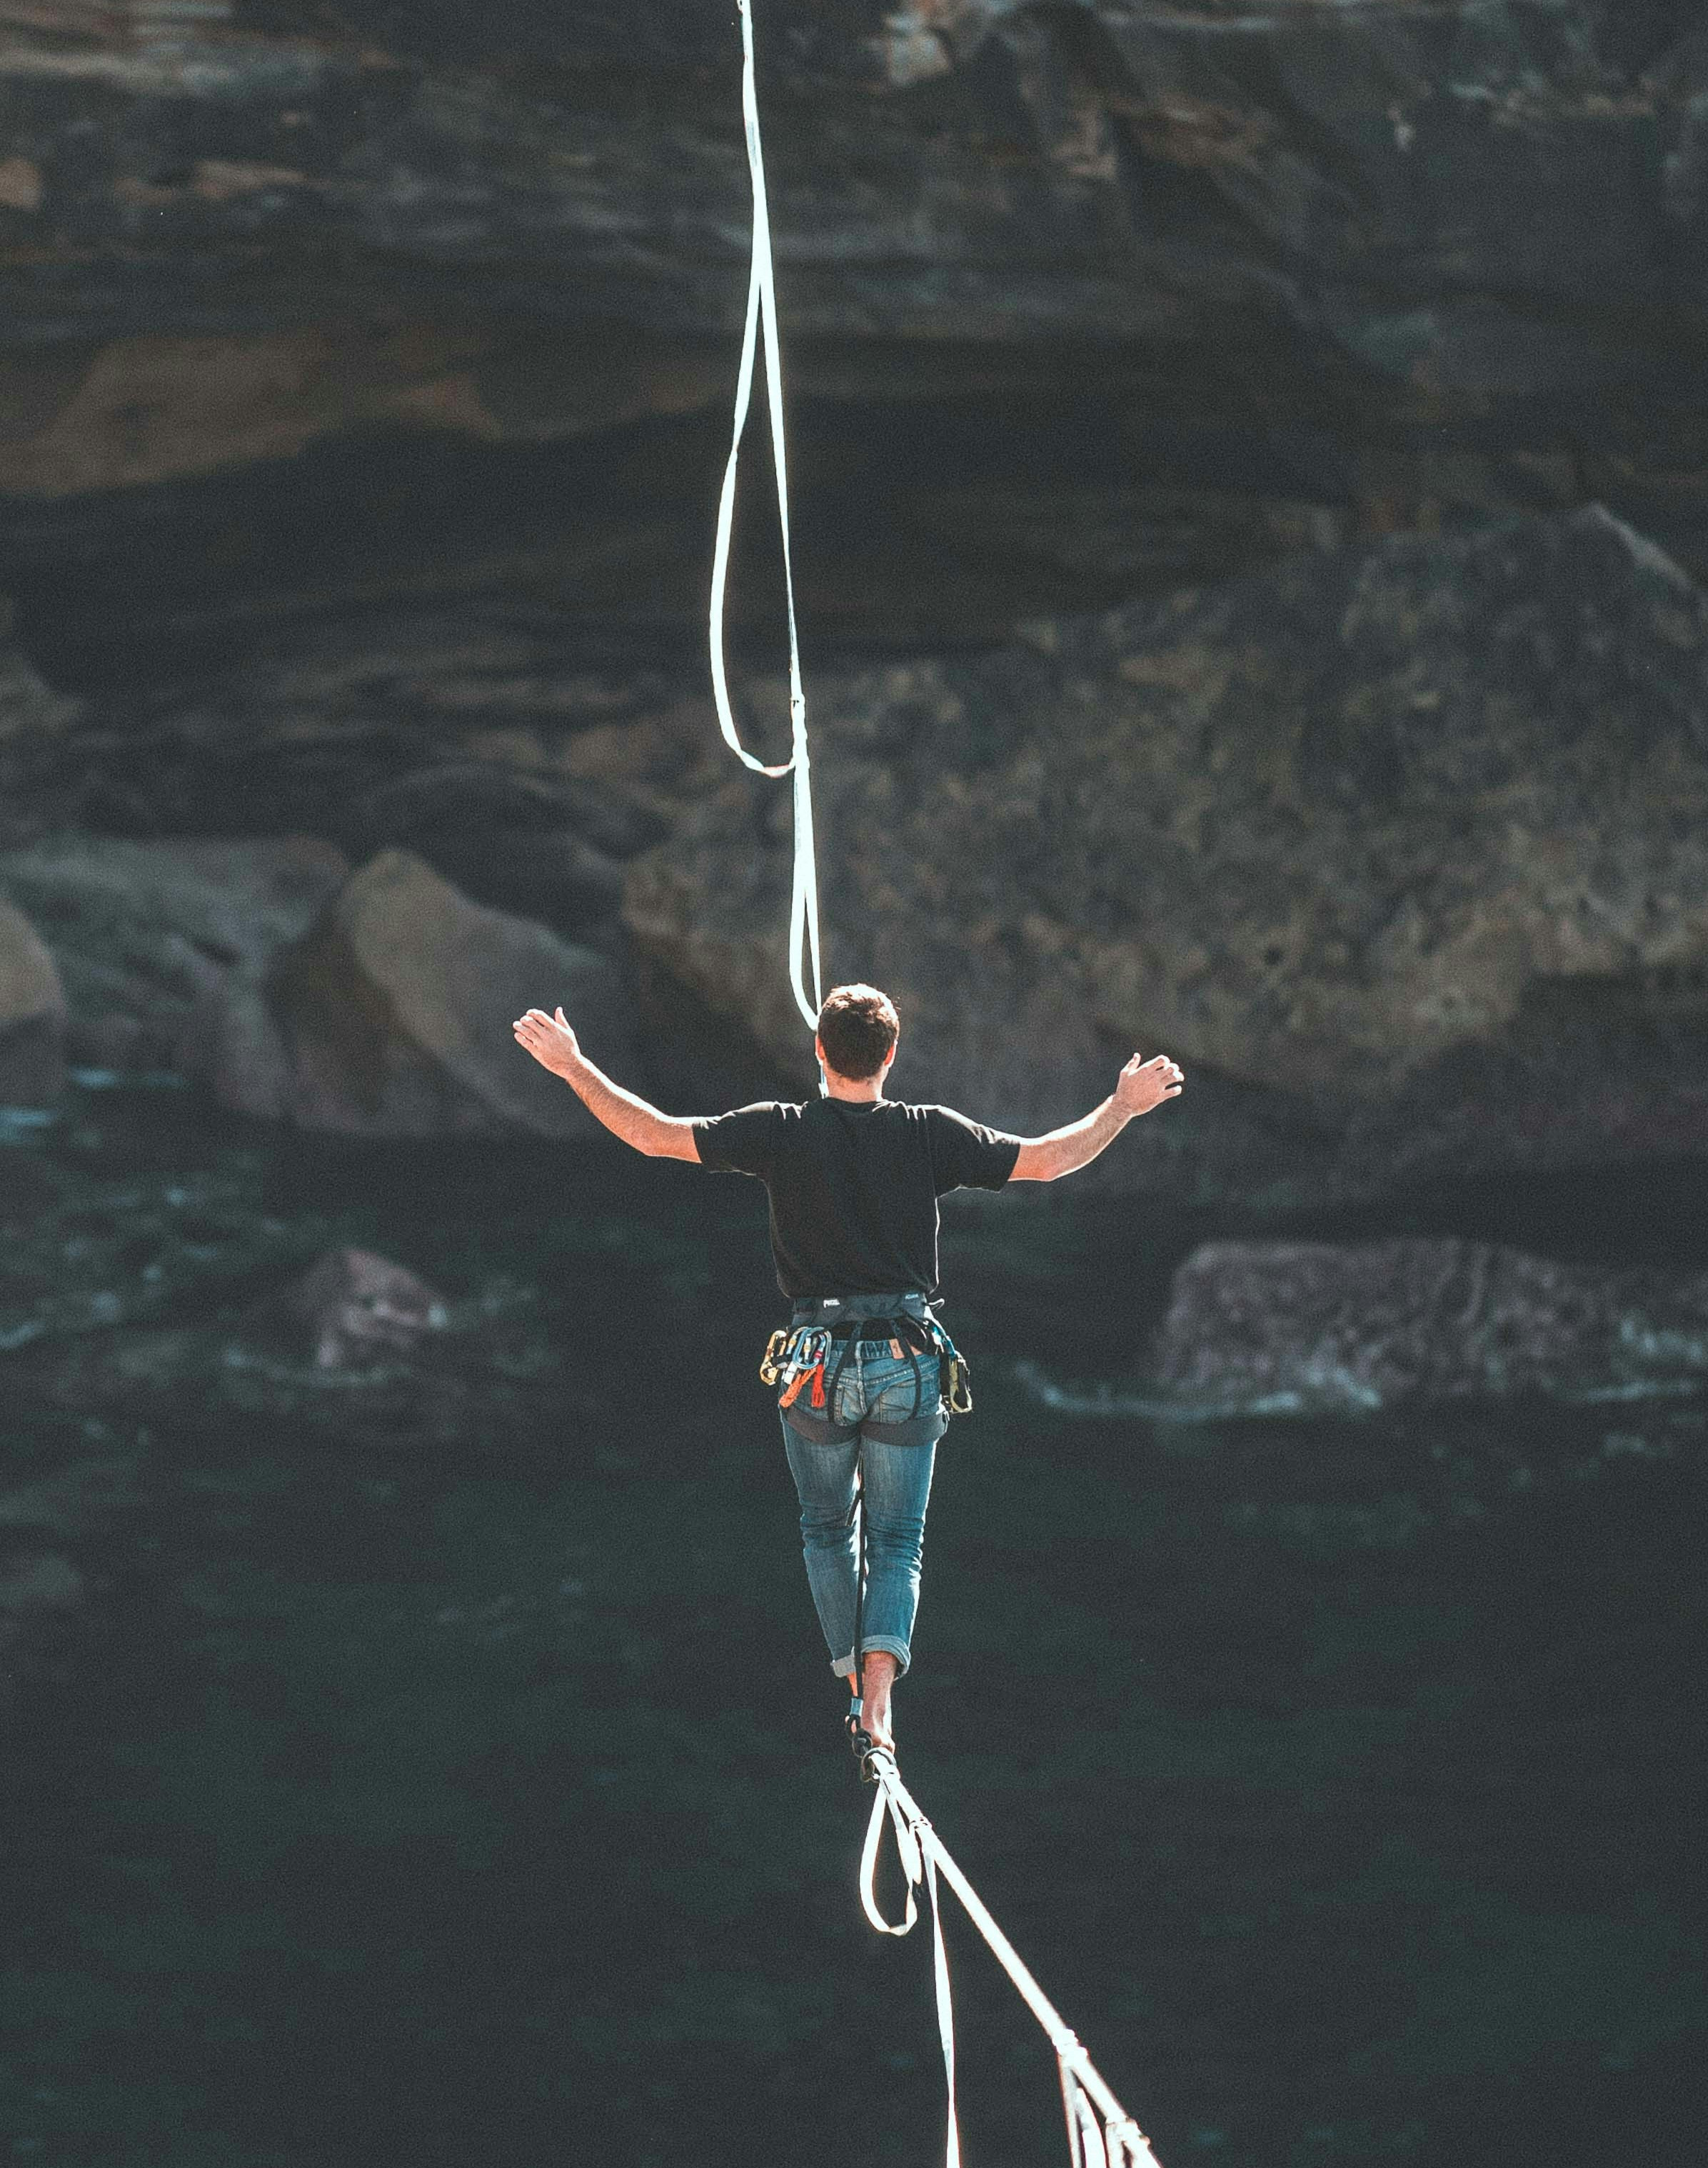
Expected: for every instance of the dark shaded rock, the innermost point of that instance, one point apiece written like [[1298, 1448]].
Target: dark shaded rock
[[539, 845], [1077, 298], [460, 799], [143, 932], [27, 1189], [75, 1501], [42, 1595], [392, 1016], [1400, 850], [1314, 1327], [29, 707], [430, 732], [49, 1599], [32, 1016], [350, 1310], [560, 878]]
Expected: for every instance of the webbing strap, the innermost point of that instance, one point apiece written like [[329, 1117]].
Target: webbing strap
[[918, 1865], [761, 314], [1100, 2132]]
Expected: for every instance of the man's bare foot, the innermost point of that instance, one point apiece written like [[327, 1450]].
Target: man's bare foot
[[881, 1669]]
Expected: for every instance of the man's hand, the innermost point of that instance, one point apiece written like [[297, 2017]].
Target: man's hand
[[551, 1043], [1143, 1085], [628, 1118]]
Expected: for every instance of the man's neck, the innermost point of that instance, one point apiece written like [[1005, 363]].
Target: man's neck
[[859, 1090]]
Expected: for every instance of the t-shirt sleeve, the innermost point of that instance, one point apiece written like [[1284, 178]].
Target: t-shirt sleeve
[[966, 1155], [741, 1143]]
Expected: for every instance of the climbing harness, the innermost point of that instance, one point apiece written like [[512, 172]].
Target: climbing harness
[[761, 312], [1100, 2132], [796, 1357]]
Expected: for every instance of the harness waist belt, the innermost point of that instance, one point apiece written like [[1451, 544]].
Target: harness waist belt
[[904, 1327]]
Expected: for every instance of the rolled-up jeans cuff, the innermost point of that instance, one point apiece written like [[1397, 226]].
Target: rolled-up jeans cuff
[[843, 1666]]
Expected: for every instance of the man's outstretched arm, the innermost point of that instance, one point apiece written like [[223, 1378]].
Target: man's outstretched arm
[[1141, 1086], [553, 1044]]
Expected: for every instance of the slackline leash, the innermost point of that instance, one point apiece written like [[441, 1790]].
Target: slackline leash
[[761, 312], [1100, 2132]]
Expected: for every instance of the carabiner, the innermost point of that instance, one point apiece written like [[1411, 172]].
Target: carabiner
[[770, 1363]]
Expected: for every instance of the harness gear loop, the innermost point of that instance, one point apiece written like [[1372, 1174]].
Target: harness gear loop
[[761, 315]]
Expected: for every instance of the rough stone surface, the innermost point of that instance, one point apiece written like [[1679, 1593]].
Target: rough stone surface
[[1399, 851], [32, 1015], [392, 1016], [1104, 293], [350, 1310], [145, 933], [1349, 1328]]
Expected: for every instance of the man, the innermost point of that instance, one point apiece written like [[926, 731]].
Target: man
[[854, 1180]]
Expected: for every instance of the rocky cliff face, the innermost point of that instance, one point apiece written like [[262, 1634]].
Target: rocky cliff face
[[1398, 850], [1078, 298], [363, 380]]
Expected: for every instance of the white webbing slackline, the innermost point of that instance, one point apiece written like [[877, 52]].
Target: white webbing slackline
[[1100, 2132], [761, 311]]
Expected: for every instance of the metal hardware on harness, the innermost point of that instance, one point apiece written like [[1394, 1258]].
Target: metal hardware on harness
[[797, 1356]]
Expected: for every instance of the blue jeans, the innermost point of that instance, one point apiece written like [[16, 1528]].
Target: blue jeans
[[896, 1482]]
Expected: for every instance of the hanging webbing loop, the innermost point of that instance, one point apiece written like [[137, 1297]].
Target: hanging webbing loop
[[1100, 2132], [762, 318]]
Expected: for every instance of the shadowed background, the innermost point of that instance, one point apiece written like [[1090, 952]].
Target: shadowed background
[[1251, 498]]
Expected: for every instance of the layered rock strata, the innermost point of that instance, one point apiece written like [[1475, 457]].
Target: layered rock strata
[[1077, 297]]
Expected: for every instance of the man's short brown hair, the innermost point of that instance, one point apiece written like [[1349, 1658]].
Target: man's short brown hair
[[857, 1027]]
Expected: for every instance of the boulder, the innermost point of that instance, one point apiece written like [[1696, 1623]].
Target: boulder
[[145, 933], [32, 1016], [392, 1016], [351, 1310], [1401, 850], [1318, 1327]]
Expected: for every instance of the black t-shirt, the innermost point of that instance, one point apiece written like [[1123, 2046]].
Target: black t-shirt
[[854, 1186]]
